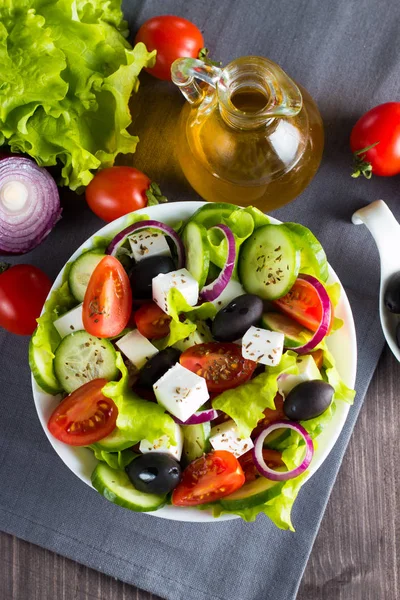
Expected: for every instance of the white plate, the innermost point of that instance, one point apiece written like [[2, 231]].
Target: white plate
[[342, 344]]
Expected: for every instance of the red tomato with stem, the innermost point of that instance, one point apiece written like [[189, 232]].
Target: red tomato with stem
[[85, 416], [23, 291], [302, 304], [375, 141], [172, 37], [117, 191], [151, 321], [107, 305], [221, 364], [209, 478]]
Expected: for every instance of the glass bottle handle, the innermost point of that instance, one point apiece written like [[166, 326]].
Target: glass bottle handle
[[184, 73]]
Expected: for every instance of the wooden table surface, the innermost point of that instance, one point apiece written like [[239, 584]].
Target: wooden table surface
[[356, 555]]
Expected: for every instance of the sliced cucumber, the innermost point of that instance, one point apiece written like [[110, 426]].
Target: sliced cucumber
[[276, 437], [312, 253], [117, 440], [195, 240], [269, 262], [81, 271], [295, 334], [211, 213], [81, 357], [116, 486], [41, 365], [200, 336], [195, 441], [252, 494]]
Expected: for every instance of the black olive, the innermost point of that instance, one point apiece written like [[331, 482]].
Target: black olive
[[307, 400], [144, 272], [157, 366], [392, 294], [398, 334], [154, 473], [232, 322]]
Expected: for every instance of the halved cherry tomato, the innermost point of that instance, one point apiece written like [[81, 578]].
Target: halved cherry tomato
[[151, 321], [85, 416], [108, 300], [303, 305], [209, 478], [270, 416], [273, 458], [221, 364]]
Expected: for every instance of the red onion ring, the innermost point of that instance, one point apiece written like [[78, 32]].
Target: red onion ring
[[29, 205], [122, 235], [201, 416], [262, 466], [323, 327], [214, 289]]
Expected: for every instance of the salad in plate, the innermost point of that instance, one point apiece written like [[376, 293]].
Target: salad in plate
[[192, 361]]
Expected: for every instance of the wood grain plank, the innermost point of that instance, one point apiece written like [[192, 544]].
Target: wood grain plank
[[356, 554]]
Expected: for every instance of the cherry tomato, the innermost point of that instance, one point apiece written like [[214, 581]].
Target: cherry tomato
[[117, 191], [172, 37], [85, 416], [23, 290], [209, 478], [221, 364], [151, 321], [303, 305], [107, 304], [273, 458], [380, 128], [270, 416]]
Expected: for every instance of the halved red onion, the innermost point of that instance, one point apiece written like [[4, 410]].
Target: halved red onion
[[215, 288], [262, 466], [29, 205], [201, 416], [323, 327], [150, 224]]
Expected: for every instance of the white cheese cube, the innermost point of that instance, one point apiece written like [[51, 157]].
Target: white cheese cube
[[201, 335], [263, 346], [147, 243], [136, 348], [226, 437], [69, 322], [308, 371], [163, 445], [181, 280], [232, 291], [181, 392]]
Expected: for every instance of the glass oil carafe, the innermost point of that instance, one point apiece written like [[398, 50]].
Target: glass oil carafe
[[248, 134]]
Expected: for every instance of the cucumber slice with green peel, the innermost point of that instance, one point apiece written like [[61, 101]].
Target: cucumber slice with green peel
[[252, 494], [81, 270], [195, 240], [269, 262], [81, 357], [114, 442], [275, 438], [42, 367], [295, 334], [211, 213], [313, 257], [195, 441], [116, 486]]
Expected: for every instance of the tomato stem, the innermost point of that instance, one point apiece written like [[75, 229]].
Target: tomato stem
[[360, 165], [4, 266], [154, 195], [203, 55]]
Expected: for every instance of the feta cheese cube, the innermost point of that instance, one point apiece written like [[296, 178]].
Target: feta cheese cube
[[181, 392], [181, 280], [232, 291], [201, 335], [136, 348], [163, 445], [69, 322], [308, 371], [226, 437], [263, 346], [147, 243]]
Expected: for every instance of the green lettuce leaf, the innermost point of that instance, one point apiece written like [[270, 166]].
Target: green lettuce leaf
[[138, 418], [334, 291], [313, 258], [115, 460], [246, 403], [66, 76], [342, 391]]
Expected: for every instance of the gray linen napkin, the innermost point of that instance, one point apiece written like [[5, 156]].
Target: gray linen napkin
[[346, 55]]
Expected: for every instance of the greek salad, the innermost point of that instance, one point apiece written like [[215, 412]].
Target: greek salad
[[192, 361]]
